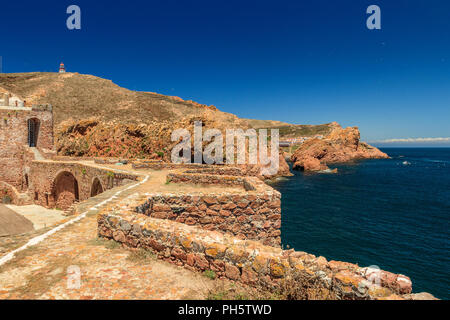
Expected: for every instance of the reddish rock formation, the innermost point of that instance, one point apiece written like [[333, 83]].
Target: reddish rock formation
[[94, 138], [341, 145], [256, 169]]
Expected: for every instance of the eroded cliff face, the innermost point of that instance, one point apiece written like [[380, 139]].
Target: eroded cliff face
[[256, 169], [341, 145], [95, 138]]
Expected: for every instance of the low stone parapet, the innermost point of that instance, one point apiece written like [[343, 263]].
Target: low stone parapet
[[218, 170], [205, 179], [159, 165], [249, 262], [212, 169]]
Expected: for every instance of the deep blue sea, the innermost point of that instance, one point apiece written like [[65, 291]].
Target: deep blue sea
[[377, 212]]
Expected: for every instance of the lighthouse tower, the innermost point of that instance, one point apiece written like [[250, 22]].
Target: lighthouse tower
[[62, 69]]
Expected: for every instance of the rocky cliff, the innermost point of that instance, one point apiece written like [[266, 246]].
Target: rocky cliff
[[95, 117], [95, 138], [340, 145]]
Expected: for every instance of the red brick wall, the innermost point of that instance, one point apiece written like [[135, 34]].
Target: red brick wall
[[50, 179], [14, 139]]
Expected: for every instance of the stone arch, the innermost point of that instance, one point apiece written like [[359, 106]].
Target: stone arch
[[96, 187], [33, 131], [65, 190]]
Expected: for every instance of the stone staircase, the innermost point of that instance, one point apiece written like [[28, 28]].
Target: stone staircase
[[37, 154], [70, 211]]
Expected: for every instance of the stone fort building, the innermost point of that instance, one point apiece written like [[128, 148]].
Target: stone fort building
[[26, 134], [30, 171]]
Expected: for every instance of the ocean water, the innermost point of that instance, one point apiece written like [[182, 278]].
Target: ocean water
[[377, 212]]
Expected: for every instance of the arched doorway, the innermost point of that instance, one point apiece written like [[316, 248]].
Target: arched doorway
[[33, 132], [96, 187], [65, 190]]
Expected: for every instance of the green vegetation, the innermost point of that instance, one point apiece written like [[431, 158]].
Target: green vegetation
[[141, 256], [297, 285], [209, 274], [6, 199], [107, 243]]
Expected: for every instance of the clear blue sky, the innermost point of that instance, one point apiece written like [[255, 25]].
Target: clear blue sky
[[304, 62]]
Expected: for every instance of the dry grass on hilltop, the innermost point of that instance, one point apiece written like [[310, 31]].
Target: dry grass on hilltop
[[95, 117]]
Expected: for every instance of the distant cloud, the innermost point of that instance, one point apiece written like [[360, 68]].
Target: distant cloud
[[413, 140]]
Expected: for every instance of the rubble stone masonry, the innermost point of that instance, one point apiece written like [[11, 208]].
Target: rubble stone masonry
[[254, 213], [248, 216], [14, 153], [246, 261], [71, 181]]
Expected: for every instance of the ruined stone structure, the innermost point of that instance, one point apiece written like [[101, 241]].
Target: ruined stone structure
[[28, 172], [250, 262], [236, 236], [254, 214], [58, 184], [213, 218], [7, 100]]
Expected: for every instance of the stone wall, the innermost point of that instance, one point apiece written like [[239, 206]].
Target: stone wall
[[159, 165], [217, 170], [205, 179], [58, 184], [14, 139], [249, 262], [224, 169], [9, 194], [255, 215]]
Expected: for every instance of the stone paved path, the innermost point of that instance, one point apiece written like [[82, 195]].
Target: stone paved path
[[40, 272]]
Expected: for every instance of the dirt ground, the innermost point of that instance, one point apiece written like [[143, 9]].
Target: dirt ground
[[107, 271]]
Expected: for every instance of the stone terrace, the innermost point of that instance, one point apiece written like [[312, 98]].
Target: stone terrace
[[194, 218]]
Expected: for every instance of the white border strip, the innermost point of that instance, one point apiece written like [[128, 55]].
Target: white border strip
[[42, 237]]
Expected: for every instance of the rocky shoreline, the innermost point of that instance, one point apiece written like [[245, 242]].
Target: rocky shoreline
[[340, 146]]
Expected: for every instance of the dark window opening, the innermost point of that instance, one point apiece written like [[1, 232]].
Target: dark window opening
[[33, 132]]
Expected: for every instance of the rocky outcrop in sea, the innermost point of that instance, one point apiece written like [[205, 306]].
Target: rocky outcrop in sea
[[341, 145]]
